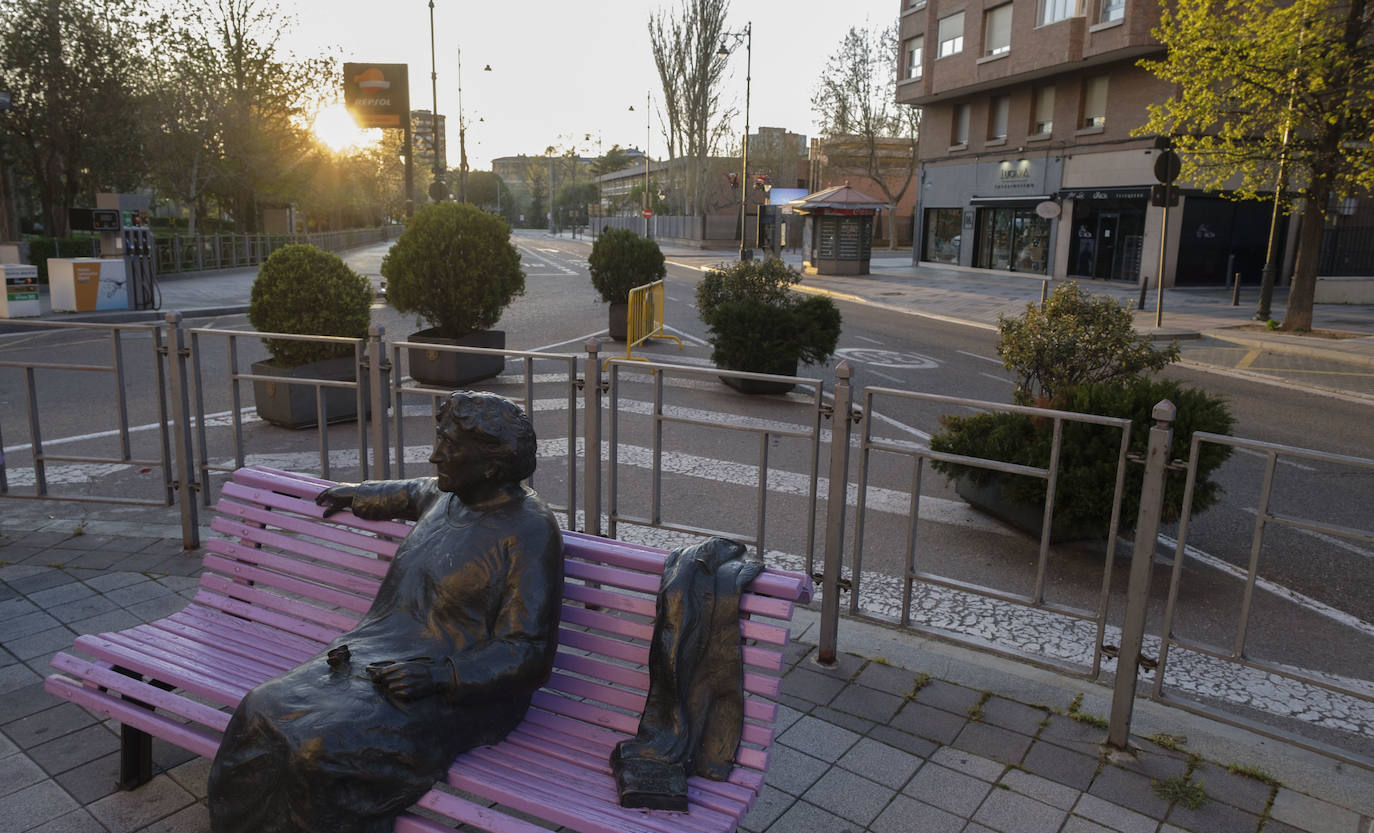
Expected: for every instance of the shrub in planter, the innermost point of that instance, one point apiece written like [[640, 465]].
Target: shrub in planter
[[758, 324], [455, 267], [1076, 338], [620, 261], [307, 291], [1088, 453]]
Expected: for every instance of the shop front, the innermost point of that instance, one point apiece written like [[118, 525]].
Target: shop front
[[1108, 232], [1012, 238]]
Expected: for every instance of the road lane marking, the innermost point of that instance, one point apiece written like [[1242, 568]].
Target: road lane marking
[[900, 359], [1248, 359], [869, 340], [888, 377], [1282, 462], [977, 356], [998, 378], [1340, 543]]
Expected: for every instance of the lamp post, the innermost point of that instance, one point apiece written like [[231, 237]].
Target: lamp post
[[747, 35], [438, 189], [645, 212]]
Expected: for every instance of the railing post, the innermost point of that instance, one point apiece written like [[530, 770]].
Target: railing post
[[834, 515], [1142, 559], [591, 438], [185, 472], [376, 364]]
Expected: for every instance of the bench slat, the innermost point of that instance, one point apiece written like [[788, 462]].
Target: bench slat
[[306, 487], [256, 634], [329, 620], [165, 701], [212, 689], [648, 584], [244, 521], [289, 624], [638, 652], [240, 571], [190, 738], [226, 640]]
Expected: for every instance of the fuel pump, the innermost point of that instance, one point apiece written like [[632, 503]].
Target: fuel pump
[[128, 237]]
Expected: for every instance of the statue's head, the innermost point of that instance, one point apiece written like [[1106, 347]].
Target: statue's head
[[498, 428]]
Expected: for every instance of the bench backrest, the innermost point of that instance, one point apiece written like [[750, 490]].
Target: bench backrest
[[305, 580]]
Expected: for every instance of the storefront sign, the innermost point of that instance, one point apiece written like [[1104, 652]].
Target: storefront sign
[[1098, 194], [1012, 176], [378, 95]]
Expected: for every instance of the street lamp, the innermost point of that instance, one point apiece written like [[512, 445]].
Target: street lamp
[[438, 189], [646, 160], [462, 133], [747, 35]]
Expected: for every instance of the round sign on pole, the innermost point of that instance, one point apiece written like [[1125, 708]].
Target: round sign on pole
[[647, 213], [1167, 166], [1048, 209]]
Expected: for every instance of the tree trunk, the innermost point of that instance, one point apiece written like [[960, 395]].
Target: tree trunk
[[1297, 316]]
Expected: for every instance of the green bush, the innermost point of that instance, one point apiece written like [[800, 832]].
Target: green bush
[[76, 245], [455, 267], [622, 260], [304, 290], [757, 324], [1077, 338], [1088, 453]]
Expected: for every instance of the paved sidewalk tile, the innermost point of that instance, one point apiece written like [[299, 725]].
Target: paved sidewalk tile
[[947, 789], [849, 796], [952, 698], [1070, 734], [888, 678], [818, 738], [1129, 789], [1114, 816], [1009, 714], [984, 769], [41, 727], [1041, 789], [811, 686], [77, 821], [1248, 794], [1011, 812], [868, 703], [929, 722], [879, 762], [803, 816], [1308, 813], [1214, 817], [1060, 764], [907, 815], [771, 803], [128, 811], [993, 742], [35, 805], [793, 771]]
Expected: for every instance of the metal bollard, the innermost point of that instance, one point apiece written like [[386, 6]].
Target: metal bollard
[[376, 363], [591, 439], [834, 515], [1142, 559], [185, 472], [1235, 291]]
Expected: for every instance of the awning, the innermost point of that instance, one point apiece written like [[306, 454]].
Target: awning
[[1023, 199]]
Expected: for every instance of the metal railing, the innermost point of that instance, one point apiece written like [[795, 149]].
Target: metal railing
[[1265, 518], [203, 432], [115, 370], [174, 253]]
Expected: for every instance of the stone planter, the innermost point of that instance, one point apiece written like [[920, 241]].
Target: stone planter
[[760, 386], [451, 371], [618, 325], [992, 499], [293, 405]]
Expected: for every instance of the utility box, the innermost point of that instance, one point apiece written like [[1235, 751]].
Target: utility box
[[21, 291], [86, 284]]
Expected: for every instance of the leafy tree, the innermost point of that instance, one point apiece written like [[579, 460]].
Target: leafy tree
[[487, 191], [1266, 85], [684, 48], [615, 159], [74, 73], [855, 105], [1075, 339]]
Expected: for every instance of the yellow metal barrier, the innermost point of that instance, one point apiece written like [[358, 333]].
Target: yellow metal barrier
[[645, 319]]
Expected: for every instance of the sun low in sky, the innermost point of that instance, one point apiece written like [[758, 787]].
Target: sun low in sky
[[336, 128]]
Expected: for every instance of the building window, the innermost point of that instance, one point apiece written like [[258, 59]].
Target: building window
[[1112, 10], [959, 131], [916, 4], [1053, 11], [1095, 102], [915, 55], [997, 116], [943, 235], [997, 30], [952, 34], [1042, 123]]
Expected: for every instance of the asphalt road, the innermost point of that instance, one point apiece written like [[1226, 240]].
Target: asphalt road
[[1315, 613]]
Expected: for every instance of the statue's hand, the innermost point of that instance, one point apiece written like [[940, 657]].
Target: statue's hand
[[412, 679], [336, 499]]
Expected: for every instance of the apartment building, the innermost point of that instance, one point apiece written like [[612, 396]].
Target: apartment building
[[1027, 159]]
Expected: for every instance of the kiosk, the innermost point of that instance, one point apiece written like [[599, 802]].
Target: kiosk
[[20, 299], [837, 238]]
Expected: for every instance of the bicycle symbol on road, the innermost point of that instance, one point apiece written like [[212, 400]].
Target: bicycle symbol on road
[[888, 358]]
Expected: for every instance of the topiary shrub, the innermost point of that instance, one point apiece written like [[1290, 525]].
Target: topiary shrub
[[455, 267], [622, 260], [758, 324], [304, 290], [1088, 453], [1076, 338]]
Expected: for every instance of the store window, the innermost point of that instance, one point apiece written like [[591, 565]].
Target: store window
[[1094, 102], [1042, 122], [915, 56], [997, 30], [1012, 239], [1108, 235], [959, 129], [942, 237], [1112, 10], [998, 110], [1053, 11], [952, 34]]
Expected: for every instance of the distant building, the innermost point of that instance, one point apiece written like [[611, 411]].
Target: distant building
[[429, 134], [780, 155], [1028, 163], [846, 160]]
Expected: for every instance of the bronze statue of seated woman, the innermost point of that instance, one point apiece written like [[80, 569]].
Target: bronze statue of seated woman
[[462, 632]]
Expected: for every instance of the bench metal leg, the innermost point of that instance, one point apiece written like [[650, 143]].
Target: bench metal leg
[[135, 747]]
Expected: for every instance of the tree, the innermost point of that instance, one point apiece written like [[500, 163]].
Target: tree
[[615, 159], [489, 193], [74, 74], [855, 105], [684, 48], [1267, 85]]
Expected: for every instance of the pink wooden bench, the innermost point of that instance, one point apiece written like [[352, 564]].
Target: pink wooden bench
[[285, 582]]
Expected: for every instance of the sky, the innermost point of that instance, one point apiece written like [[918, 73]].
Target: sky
[[563, 71]]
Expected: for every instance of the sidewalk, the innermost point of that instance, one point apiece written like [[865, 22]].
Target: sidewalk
[[904, 734]]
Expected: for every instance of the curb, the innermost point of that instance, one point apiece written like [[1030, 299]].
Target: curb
[[1284, 346]]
